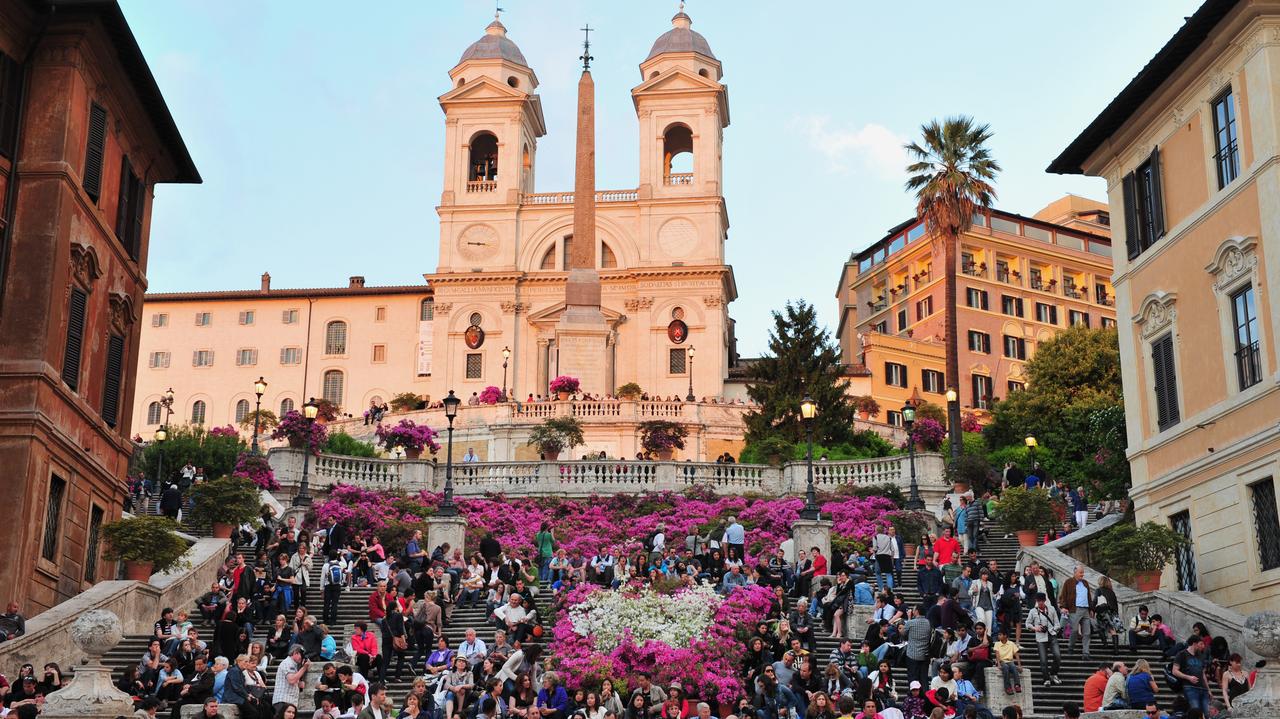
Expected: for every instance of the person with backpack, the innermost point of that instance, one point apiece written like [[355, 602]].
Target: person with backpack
[[1189, 669], [333, 577], [1046, 622]]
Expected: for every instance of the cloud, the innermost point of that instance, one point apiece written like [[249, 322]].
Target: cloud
[[871, 146]]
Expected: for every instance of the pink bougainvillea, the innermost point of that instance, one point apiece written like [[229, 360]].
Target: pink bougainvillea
[[226, 431], [490, 395], [256, 467]]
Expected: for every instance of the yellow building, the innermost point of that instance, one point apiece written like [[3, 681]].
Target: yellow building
[[1020, 280], [1189, 152]]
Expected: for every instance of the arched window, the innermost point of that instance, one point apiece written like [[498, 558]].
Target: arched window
[[332, 389], [197, 412], [677, 154], [286, 406], [549, 259], [512, 81], [153, 413], [335, 338], [484, 158], [607, 258], [242, 410], [427, 311]]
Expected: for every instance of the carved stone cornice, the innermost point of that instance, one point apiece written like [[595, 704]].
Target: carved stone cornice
[[121, 311], [637, 304], [1235, 257], [514, 308], [444, 308], [1156, 314], [713, 300]]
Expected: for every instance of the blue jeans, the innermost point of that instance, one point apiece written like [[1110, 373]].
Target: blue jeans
[[1197, 697], [883, 579], [544, 569]]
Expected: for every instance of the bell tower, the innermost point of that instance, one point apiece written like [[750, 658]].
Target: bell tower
[[683, 109]]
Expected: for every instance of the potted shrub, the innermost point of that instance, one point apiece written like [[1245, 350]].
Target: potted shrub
[[867, 406], [224, 504], [1138, 554], [662, 437], [145, 544], [267, 420], [910, 526], [1026, 512], [490, 395], [564, 385], [969, 471], [326, 411], [555, 435], [630, 390], [410, 436], [256, 469], [405, 402], [928, 434], [300, 433], [774, 449]]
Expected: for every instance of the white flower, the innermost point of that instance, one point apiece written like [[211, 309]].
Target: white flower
[[675, 620]]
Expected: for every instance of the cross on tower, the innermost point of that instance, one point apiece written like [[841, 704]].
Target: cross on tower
[[586, 48], [497, 12]]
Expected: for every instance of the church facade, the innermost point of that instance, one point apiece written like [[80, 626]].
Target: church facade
[[506, 249]]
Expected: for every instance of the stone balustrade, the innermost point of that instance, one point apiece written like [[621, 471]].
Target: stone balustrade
[[566, 198]]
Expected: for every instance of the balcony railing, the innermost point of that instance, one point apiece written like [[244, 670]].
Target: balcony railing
[[974, 270], [1005, 277], [1249, 365], [679, 178], [923, 279], [878, 306], [1072, 292], [566, 198], [1106, 301], [482, 185]]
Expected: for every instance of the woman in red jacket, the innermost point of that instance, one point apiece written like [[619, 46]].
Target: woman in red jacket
[[365, 645]]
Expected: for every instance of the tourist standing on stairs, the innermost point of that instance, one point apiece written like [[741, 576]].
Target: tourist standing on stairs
[[1189, 667], [885, 548], [333, 577], [1079, 506], [1047, 625], [735, 536], [545, 541], [1078, 598]]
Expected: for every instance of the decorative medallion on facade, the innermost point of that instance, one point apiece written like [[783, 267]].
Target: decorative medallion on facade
[[712, 300], [1235, 258], [677, 331], [474, 337], [635, 305], [444, 308], [85, 267], [120, 309], [478, 242], [513, 308], [678, 237], [1156, 313]]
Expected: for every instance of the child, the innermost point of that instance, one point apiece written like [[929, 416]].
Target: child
[[1009, 657]]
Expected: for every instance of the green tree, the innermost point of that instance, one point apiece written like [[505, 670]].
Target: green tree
[[217, 454], [951, 174], [802, 360]]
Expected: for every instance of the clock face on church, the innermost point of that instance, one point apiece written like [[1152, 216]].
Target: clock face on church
[[478, 242]]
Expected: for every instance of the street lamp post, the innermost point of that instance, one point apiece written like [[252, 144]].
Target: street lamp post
[[1031, 450], [259, 389], [447, 507], [808, 412], [953, 422], [506, 355], [161, 435], [909, 419], [167, 402], [309, 411], [690, 396]]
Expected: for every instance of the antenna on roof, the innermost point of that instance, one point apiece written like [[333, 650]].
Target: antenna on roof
[[586, 48]]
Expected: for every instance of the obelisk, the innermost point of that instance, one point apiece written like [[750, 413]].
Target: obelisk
[[582, 334]]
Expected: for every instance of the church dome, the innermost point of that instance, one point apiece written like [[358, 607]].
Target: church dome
[[680, 38], [495, 45]]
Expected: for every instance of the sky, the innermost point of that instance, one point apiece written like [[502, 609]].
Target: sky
[[316, 127]]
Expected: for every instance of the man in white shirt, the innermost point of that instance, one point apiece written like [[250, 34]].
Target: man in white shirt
[[472, 649], [602, 568], [382, 570], [470, 456], [511, 616]]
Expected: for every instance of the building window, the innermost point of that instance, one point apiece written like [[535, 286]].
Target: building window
[[158, 360], [202, 358], [1227, 150], [1185, 557], [113, 380], [53, 518], [933, 381], [379, 353], [203, 319], [893, 417], [924, 308], [1244, 314], [895, 375], [10, 110], [1166, 381], [332, 387], [335, 338], [677, 361], [902, 320], [160, 320], [246, 358], [982, 391], [882, 327], [379, 314], [153, 413], [1047, 314], [979, 342], [1076, 317], [1143, 206], [289, 317], [131, 203], [1011, 306], [95, 542], [427, 310], [246, 317], [976, 298], [1266, 523], [197, 412], [286, 406], [1015, 386], [1015, 347], [475, 365], [242, 410], [290, 355], [76, 308], [94, 152], [1108, 323]]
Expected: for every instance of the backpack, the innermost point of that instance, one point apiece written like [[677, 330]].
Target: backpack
[[1175, 684], [335, 573], [937, 645]]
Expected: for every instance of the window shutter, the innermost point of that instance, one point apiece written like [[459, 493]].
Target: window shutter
[[10, 88], [1130, 186], [1157, 197], [138, 206], [111, 385], [1164, 371], [75, 338], [95, 151], [124, 217]]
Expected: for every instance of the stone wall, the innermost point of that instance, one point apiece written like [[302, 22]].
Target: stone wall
[[138, 604]]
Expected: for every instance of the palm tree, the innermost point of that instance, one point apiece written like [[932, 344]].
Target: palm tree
[[952, 175]]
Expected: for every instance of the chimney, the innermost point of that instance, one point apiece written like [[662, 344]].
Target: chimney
[[266, 281], [356, 281]]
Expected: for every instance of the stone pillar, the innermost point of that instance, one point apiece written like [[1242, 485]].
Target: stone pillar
[[809, 533], [447, 529], [997, 700], [91, 692], [1262, 636]]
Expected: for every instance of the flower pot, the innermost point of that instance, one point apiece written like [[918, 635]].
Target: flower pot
[[961, 487], [562, 396], [221, 530], [551, 456], [664, 454], [412, 453], [1147, 580], [1026, 537], [864, 415], [908, 549], [141, 571], [297, 442]]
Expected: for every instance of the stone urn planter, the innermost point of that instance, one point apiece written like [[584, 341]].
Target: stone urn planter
[[412, 453], [562, 396], [296, 442], [140, 571], [551, 456], [1147, 580], [665, 455], [221, 530], [1027, 537]]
